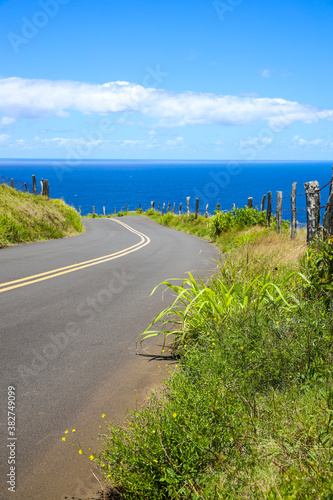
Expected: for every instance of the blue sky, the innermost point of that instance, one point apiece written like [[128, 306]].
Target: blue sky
[[199, 79]]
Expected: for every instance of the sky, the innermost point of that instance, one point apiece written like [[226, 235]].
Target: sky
[[190, 79]]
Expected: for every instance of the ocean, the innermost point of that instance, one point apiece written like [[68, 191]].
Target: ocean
[[114, 183]]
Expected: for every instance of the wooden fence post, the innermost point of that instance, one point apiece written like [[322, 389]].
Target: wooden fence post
[[312, 208], [206, 212], [217, 208], [163, 208], [93, 210], [293, 211], [250, 202], [126, 207], [262, 208], [278, 211], [168, 208], [104, 211], [180, 208], [46, 190], [115, 210], [269, 208], [188, 205], [159, 207], [42, 187], [174, 208], [34, 188], [139, 205], [26, 187], [152, 205], [12, 182], [80, 211], [328, 215], [233, 206], [196, 208]]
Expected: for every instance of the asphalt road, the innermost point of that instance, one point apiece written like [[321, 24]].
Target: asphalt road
[[70, 312]]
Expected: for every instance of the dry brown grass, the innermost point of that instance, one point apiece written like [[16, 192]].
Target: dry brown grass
[[274, 249]]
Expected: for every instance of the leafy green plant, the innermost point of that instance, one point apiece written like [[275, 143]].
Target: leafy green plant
[[317, 266], [238, 218], [195, 303]]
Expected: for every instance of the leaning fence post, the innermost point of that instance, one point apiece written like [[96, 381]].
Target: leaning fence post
[[196, 208], [262, 208], [293, 211], [34, 188], [174, 208], [269, 208], [180, 208], [163, 208], [168, 208], [206, 212], [188, 205], [12, 182], [126, 207], [250, 202], [152, 205], [312, 208], [26, 187], [328, 215], [278, 211]]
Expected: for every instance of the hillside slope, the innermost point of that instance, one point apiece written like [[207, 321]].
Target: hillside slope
[[25, 217]]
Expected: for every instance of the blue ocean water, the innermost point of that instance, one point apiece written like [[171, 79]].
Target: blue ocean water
[[114, 184]]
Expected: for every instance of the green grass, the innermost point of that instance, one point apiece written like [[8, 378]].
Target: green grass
[[248, 412], [25, 218]]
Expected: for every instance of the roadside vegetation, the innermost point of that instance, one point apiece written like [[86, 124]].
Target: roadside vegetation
[[247, 412], [26, 218]]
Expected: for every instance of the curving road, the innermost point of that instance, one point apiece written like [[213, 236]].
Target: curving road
[[70, 313]]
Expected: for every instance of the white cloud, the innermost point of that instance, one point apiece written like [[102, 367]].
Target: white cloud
[[266, 73], [6, 120], [4, 138], [179, 141], [314, 143], [257, 142], [20, 98]]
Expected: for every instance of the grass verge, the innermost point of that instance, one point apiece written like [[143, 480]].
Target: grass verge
[[26, 218], [248, 410]]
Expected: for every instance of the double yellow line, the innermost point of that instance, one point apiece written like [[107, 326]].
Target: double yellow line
[[29, 280]]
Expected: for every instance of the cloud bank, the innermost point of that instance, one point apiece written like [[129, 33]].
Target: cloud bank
[[23, 98]]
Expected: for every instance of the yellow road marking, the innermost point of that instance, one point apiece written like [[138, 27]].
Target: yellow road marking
[[29, 280]]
